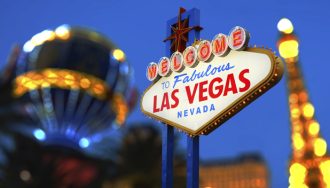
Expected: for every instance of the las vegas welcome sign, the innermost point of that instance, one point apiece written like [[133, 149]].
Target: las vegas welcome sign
[[198, 90]]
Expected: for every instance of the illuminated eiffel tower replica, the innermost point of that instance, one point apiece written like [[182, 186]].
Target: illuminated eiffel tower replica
[[310, 164]]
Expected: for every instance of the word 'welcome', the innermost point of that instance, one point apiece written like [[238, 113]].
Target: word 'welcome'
[[220, 46]]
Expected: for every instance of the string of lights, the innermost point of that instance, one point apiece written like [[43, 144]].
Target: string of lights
[[310, 164]]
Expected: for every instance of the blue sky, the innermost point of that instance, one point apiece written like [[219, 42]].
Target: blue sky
[[138, 27]]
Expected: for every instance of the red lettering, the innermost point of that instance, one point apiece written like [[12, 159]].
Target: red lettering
[[202, 90], [244, 80], [217, 88], [176, 63], [164, 67], [220, 45], [152, 71], [175, 98], [165, 102], [191, 95], [230, 85], [190, 57], [155, 109], [205, 51], [237, 38]]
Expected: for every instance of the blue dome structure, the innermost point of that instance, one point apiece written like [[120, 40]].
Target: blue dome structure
[[77, 86]]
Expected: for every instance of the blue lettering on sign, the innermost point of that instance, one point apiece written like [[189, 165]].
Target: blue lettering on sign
[[185, 113], [210, 70], [195, 111]]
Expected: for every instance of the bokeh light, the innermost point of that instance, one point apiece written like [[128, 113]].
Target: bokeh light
[[39, 134], [285, 26]]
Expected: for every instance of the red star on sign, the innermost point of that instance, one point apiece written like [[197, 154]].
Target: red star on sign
[[180, 32]]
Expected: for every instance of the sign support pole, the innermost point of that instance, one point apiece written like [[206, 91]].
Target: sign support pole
[[193, 142], [167, 156], [193, 162], [168, 131]]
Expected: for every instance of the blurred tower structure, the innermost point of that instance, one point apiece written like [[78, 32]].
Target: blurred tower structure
[[310, 164]]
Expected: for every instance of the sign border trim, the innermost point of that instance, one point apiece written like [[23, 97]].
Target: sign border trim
[[273, 77]]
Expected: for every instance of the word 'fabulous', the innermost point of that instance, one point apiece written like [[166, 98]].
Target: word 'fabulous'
[[220, 46]]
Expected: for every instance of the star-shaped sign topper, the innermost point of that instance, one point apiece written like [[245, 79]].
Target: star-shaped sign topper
[[180, 32]]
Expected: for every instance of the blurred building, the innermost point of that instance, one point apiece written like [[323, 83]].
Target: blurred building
[[310, 164], [246, 171]]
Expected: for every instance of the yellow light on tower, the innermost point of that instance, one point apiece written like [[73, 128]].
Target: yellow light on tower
[[308, 110], [288, 46], [293, 98], [297, 174], [303, 96], [301, 185], [295, 112], [297, 127], [325, 169], [297, 168], [313, 128], [289, 49], [298, 141], [320, 147], [285, 26]]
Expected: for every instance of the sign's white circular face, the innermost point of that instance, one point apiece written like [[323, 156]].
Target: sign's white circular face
[[164, 66], [220, 45], [152, 71], [238, 38], [190, 56], [204, 50], [176, 62]]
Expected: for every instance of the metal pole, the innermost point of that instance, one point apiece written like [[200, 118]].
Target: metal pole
[[168, 131], [193, 162], [167, 157], [167, 140], [193, 142]]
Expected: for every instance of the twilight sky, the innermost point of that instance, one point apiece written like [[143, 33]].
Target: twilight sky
[[138, 28]]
